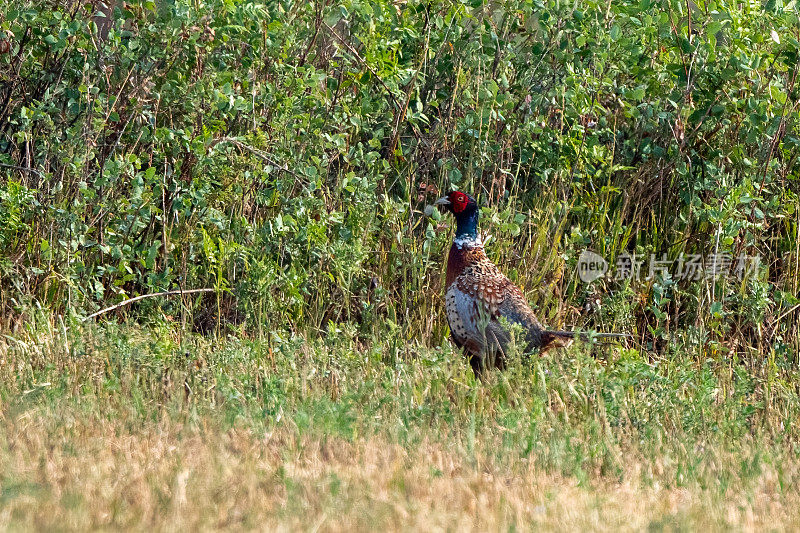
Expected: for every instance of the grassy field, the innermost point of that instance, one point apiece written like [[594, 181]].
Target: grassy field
[[122, 427]]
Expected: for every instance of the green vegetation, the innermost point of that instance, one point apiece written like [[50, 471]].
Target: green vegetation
[[283, 154], [120, 427]]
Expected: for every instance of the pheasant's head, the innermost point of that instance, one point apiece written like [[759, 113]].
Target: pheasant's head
[[459, 203], [465, 209]]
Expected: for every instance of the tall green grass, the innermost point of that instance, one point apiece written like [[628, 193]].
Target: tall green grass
[[574, 412]]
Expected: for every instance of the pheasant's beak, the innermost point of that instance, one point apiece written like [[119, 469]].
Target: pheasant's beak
[[444, 200]]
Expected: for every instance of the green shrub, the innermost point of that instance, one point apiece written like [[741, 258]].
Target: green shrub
[[285, 152]]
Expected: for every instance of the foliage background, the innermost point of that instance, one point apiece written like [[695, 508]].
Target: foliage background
[[285, 151]]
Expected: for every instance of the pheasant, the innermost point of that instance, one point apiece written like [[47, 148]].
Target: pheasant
[[478, 296]]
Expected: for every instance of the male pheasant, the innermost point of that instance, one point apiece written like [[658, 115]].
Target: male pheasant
[[478, 296]]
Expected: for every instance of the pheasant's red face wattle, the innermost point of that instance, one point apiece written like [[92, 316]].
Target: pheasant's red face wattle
[[459, 200]]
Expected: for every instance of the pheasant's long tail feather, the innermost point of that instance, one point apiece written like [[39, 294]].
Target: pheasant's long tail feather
[[613, 335], [561, 334], [554, 339], [550, 336]]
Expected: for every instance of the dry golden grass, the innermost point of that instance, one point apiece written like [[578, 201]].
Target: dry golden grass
[[126, 429], [80, 472]]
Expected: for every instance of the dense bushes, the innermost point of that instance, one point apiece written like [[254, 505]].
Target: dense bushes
[[286, 151]]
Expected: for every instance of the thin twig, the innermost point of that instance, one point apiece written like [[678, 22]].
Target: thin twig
[[256, 152], [317, 24], [401, 113], [23, 169], [787, 313], [142, 297], [364, 62]]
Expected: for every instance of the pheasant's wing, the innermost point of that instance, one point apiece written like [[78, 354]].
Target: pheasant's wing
[[479, 298], [516, 310]]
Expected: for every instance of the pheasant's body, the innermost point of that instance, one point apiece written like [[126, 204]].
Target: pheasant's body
[[478, 296], [482, 304]]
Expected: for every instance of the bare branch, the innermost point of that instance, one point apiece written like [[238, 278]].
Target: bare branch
[[142, 297], [364, 62], [23, 169], [256, 152]]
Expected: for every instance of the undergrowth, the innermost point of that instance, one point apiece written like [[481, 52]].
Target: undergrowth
[[283, 153]]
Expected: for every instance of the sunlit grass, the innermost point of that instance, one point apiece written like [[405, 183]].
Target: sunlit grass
[[116, 426]]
